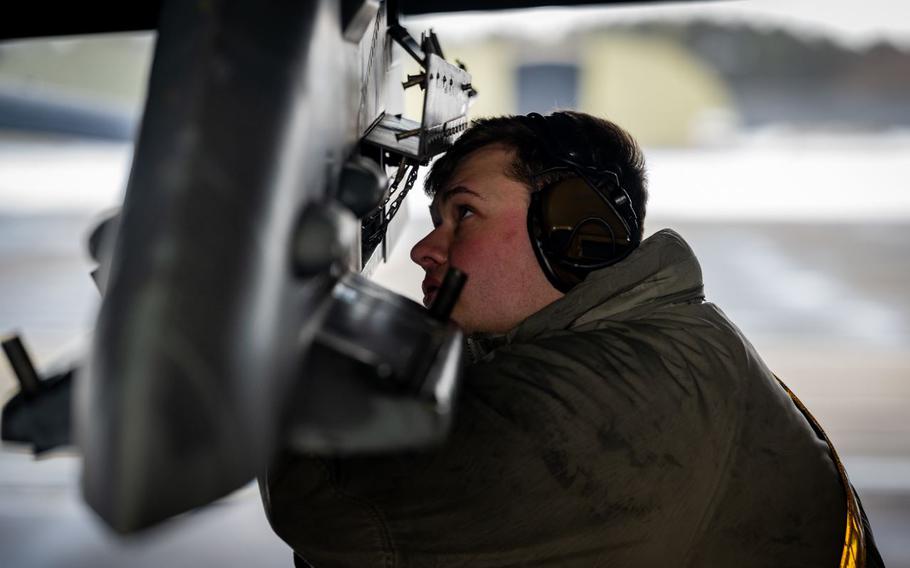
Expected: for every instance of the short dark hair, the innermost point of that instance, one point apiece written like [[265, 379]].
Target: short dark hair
[[596, 142]]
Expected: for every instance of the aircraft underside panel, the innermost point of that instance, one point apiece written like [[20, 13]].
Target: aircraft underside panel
[[203, 317]]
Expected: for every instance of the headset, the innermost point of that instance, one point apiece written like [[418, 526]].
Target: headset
[[585, 220]]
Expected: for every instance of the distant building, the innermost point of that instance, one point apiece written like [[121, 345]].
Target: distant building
[[657, 89]]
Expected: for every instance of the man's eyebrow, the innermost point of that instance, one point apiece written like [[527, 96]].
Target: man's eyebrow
[[458, 189], [444, 196]]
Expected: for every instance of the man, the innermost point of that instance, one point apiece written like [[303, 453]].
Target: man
[[610, 416]]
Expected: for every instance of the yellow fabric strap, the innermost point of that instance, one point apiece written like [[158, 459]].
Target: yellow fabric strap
[[854, 553]]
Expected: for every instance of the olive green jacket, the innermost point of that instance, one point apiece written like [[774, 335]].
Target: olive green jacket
[[626, 424]]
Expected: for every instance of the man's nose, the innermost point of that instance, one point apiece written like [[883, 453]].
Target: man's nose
[[431, 251]]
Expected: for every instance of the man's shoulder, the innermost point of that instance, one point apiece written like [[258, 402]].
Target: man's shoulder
[[684, 330], [666, 362]]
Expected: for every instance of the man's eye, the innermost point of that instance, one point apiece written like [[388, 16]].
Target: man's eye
[[464, 211]]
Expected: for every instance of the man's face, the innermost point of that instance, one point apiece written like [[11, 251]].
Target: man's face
[[480, 220]]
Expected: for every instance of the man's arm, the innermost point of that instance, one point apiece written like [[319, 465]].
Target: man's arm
[[553, 458]]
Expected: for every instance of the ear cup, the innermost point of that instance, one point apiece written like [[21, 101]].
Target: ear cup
[[583, 222], [575, 229], [563, 280]]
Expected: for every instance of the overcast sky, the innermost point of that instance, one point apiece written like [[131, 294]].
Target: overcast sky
[[849, 21]]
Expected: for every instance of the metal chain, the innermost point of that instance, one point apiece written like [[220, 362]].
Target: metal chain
[[393, 207]]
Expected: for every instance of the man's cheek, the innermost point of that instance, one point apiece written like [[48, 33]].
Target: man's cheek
[[471, 257], [511, 234]]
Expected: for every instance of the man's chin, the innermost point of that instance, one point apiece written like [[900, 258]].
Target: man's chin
[[467, 324]]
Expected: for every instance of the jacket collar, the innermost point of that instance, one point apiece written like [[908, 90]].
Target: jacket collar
[[662, 270]]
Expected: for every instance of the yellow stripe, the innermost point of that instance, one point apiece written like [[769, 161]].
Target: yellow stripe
[[854, 553]]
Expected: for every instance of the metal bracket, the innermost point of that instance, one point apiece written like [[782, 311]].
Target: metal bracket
[[445, 105], [397, 135], [447, 91]]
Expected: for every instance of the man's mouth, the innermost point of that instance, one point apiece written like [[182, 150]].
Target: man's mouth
[[430, 288], [430, 296]]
